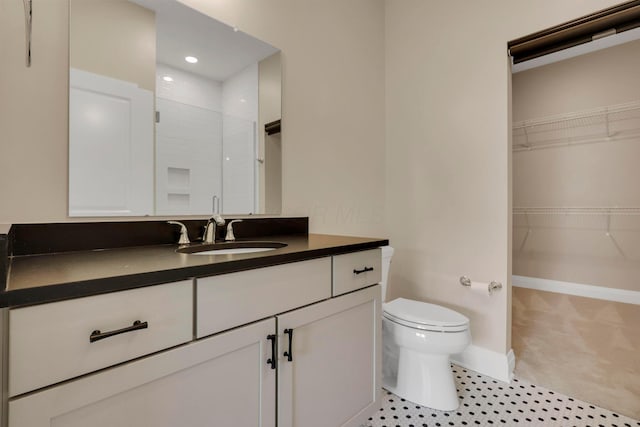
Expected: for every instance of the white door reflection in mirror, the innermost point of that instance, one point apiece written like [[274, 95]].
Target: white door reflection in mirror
[[110, 147]]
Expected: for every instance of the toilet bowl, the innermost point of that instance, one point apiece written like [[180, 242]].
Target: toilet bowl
[[418, 339]]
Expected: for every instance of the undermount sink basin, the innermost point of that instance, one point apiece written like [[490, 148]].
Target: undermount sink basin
[[229, 248]]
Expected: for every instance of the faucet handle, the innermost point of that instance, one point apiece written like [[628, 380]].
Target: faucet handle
[[184, 234], [230, 236]]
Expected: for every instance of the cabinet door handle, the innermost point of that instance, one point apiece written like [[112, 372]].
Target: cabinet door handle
[[97, 335], [364, 270], [272, 360], [289, 354]]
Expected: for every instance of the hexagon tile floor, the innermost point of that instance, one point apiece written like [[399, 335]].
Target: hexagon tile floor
[[485, 402]]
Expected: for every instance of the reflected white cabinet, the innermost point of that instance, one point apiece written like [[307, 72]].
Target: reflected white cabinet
[[223, 380], [333, 377]]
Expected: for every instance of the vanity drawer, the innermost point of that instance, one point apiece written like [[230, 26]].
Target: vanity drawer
[[50, 343], [356, 270], [231, 300]]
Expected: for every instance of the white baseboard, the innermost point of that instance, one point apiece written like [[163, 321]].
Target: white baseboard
[[486, 362], [578, 289]]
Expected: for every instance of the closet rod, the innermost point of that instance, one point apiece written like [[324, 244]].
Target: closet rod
[[615, 19]]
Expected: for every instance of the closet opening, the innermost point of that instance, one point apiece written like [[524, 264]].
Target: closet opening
[[576, 213]]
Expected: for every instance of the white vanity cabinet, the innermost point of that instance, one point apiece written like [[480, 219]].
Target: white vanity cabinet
[[219, 381], [328, 352], [251, 328], [333, 376], [53, 342], [229, 300]]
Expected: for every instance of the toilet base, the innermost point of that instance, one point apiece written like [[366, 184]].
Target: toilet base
[[425, 379]]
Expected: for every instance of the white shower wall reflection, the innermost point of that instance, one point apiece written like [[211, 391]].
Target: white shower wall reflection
[[167, 113], [206, 134]]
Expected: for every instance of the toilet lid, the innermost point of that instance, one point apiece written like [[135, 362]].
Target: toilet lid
[[423, 315]]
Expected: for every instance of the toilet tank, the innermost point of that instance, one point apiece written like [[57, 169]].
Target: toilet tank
[[387, 254]]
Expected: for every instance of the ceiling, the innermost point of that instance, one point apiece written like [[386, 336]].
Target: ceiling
[[221, 50]]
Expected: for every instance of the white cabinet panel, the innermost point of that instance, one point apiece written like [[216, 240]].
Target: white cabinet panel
[[356, 270], [333, 378], [234, 299], [56, 335], [220, 381]]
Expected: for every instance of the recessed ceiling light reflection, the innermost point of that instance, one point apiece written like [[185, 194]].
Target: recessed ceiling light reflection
[[191, 59], [167, 78]]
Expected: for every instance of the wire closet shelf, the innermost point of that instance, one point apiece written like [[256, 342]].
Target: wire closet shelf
[[576, 210], [611, 123]]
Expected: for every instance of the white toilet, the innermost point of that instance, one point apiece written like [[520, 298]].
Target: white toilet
[[417, 340]]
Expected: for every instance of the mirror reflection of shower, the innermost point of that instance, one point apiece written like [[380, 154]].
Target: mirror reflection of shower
[[168, 113]]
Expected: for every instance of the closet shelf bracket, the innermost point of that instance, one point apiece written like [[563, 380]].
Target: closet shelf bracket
[[28, 15], [272, 128]]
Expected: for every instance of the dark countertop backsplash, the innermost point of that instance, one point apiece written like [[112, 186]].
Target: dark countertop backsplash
[[32, 239]]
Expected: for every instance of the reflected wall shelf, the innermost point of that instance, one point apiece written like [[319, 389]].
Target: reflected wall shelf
[[605, 124], [272, 128]]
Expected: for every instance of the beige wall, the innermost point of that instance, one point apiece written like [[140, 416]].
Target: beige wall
[[123, 29], [333, 105], [576, 248], [447, 117], [33, 114]]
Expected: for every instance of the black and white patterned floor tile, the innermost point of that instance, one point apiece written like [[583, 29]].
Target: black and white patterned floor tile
[[485, 402]]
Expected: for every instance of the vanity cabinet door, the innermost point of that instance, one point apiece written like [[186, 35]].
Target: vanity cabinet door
[[333, 378], [219, 381]]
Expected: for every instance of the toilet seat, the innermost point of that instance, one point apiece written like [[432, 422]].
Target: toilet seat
[[424, 316]]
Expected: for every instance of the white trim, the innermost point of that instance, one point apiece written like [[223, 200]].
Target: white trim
[[578, 289], [493, 364]]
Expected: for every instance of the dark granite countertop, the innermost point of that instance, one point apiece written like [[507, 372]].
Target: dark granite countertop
[[41, 278]]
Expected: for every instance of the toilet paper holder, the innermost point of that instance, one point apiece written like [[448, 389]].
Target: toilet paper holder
[[491, 287]]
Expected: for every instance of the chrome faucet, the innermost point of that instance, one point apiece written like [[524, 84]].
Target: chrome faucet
[[210, 229], [184, 234], [230, 237]]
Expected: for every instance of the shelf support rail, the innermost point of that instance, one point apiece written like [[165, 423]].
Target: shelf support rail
[[576, 210], [28, 15]]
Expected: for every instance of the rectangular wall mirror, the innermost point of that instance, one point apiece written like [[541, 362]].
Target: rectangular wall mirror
[[167, 113]]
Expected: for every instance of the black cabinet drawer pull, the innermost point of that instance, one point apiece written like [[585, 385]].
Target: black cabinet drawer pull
[[364, 270], [272, 360], [289, 354], [97, 335]]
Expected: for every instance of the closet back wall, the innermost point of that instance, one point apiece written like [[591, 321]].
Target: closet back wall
[[576, 248]]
